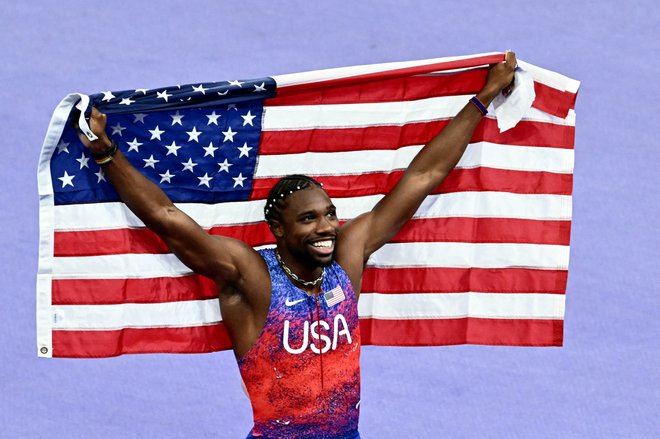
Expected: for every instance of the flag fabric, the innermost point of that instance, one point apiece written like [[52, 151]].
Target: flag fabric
[[483, 261], [334, 296]]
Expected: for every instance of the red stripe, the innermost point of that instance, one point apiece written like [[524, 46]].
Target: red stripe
[[107, 242], [459, 180], [457, 280], [390, 74], [434, 332], [389, 90], [212, 338], [382, 280], [526, 133], [451, 229], [553, 101], [548, 99], [492, 230], [115, 291], [94, 344], [141, 241]]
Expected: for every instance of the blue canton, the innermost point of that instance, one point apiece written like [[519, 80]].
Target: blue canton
[[198, 142]]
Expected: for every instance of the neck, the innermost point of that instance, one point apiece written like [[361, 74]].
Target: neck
[[310, 280]]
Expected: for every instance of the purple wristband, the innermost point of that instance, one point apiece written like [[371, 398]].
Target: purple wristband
[[477, 103]]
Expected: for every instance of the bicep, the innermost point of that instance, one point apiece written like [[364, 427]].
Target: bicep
[[216, 257]]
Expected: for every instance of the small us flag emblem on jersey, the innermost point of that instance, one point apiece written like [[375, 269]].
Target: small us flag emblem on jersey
[[334, 296]]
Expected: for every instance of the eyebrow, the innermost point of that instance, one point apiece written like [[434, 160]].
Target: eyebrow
[[328, 208]]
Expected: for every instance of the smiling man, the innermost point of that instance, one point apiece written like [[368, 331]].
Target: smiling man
[[291, 312]]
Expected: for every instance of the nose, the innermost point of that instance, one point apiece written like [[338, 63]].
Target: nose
[[325, 226]]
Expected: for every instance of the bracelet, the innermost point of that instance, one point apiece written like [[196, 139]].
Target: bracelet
[[106, 156], [481, 107]]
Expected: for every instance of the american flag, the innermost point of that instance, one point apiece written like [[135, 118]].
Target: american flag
[[334, 296], [484, 260]]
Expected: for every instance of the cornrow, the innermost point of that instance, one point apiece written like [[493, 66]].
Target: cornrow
[[282, 190]]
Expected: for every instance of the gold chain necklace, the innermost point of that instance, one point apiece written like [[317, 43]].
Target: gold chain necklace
[[296, 278]]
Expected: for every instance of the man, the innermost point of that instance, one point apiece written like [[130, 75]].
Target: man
[[291, 312]]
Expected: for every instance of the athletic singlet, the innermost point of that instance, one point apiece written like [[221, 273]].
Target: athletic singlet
[[303, 373]]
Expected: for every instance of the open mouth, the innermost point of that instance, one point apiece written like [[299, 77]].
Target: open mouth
[[324, 247]]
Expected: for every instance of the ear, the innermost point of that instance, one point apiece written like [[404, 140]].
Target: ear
[[276, 228]]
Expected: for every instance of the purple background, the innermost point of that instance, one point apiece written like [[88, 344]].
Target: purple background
[[602, 383]]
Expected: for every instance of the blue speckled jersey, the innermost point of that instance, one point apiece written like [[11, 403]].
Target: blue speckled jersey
[[303, 373]]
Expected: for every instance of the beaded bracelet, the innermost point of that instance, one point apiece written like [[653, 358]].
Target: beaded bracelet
[[106, 156], [477, 103]]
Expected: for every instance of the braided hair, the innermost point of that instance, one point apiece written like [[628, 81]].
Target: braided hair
[[279, 193]]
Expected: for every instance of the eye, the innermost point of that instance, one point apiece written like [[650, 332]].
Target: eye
[[332, 214]]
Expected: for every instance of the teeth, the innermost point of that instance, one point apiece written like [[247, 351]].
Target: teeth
[[324, 244]]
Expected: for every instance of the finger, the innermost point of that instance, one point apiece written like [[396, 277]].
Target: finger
[[510, 59]]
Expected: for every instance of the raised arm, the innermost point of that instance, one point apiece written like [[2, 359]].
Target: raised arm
[[219, 258], [370, 231]]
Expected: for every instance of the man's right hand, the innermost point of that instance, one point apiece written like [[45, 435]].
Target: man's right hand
[[97, 123]]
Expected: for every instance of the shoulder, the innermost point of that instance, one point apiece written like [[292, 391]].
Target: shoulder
[[245, 264]]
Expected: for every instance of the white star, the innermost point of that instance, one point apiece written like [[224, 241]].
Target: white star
[[223, 93], [117, 129], [244, 150], [100, 175], [236, 83], [166, 176], [107, 95], [142, 90], [172, 149], [66, 179], [200, 88], [230, 106], [213, 118], [150, 162], [126, 101], [224, 166], [134, 145], [229, 135], [139, 117], [163, 95], [83, 161], [176, 118], [205, 180], [63, 146], [193, 135], [155, 133], [238, 181], [210, 150], [258, 88], [188, 166], [247, 119]]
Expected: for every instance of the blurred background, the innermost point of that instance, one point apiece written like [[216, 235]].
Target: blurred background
[[602, 383]]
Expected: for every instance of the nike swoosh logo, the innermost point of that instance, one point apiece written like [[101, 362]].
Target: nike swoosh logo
[[287, 303]]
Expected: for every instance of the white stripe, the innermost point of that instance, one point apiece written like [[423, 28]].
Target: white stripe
[[384, 306], [119, 266], [547, 77], [432, 254], [345, 72], [137, 315], [378, 114], [550, 78], [107, 216], [463, 254], [492, 155], [458, 305]]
